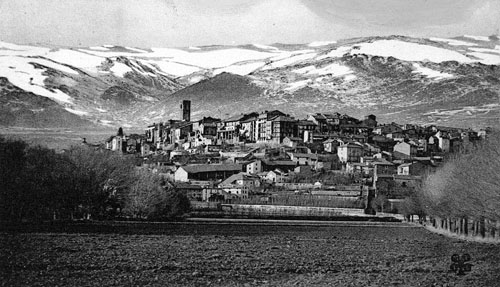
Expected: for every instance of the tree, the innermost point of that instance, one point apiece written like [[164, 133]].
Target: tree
[[467, 185], [12, 164], [380, 203], [100, 178], [144, 198], [149, 198]]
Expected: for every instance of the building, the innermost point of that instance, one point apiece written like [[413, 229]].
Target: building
[[280, 127], [292, 142], [304, 126], [303, 158], [331, 145], [206, 172], [443, 141], [186, 111], [241, 184], [370, 121], [350, 152], [405, 150], [192, 191], [276, 176], [249, 127], [416, 168], [254, 167], [263, 126]]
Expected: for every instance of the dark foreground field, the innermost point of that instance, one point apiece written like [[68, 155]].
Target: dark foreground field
[[244, 254]]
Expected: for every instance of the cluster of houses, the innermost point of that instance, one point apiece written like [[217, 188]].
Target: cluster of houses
[[247, 154]]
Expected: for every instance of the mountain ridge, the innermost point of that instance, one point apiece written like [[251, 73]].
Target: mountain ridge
[[435, 80]]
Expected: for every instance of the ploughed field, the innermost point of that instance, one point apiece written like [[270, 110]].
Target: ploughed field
[[238, 254]]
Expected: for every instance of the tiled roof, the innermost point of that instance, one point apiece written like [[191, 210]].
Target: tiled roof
[[211, 167]]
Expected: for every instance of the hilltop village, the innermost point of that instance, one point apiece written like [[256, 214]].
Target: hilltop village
[[257, 156]]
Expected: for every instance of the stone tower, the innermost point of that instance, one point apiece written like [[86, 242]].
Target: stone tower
[[186, 110]]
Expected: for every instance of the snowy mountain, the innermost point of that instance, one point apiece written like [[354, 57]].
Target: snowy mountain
[[447, 81]]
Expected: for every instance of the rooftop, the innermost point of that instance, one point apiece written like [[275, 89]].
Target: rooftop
[[210, 167]]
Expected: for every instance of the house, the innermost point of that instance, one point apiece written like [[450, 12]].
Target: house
[[206, 172], [206, 126], [443, 141], [407, 181], [228, 131], [350, 152], [179, 132], [216, 194], [359, 138], [292, 142], [411, 168], [240, 184], [302, 158], [326, 162], [370, 121], [303, 169], [249, 127], [384, 143], [254, 167], [359, 168], [397, 136], [391, 128], [193, 192], [383, 177], [304, 126], [281, 127], [384, 167], [276, 176], [263, 126], [117, 143], [371, 149], [330, 145], [404, 150]]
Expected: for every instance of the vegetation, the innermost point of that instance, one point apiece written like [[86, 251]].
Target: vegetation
[[466, 186], [37, 183]]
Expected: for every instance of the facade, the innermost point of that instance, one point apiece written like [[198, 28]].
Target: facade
[[304, 126], [186, 111], [281, 127], [240, 184], [276, 176], [264, 127], [254, 167], [443, 141], [350, 153], [292, 142], [405, 150]]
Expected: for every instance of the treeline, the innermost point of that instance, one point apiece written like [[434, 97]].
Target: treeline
[[37, 183], [467, 186]]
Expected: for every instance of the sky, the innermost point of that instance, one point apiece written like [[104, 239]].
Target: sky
[[183, 23]]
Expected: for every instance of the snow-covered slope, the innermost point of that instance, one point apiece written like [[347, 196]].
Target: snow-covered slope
[[394, 75]]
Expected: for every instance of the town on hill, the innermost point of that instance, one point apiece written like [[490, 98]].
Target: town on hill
[[326, 159]]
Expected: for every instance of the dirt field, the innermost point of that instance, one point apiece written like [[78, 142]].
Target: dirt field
[[239, 254]]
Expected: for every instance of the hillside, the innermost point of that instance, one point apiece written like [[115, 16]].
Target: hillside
[[446, 81]]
